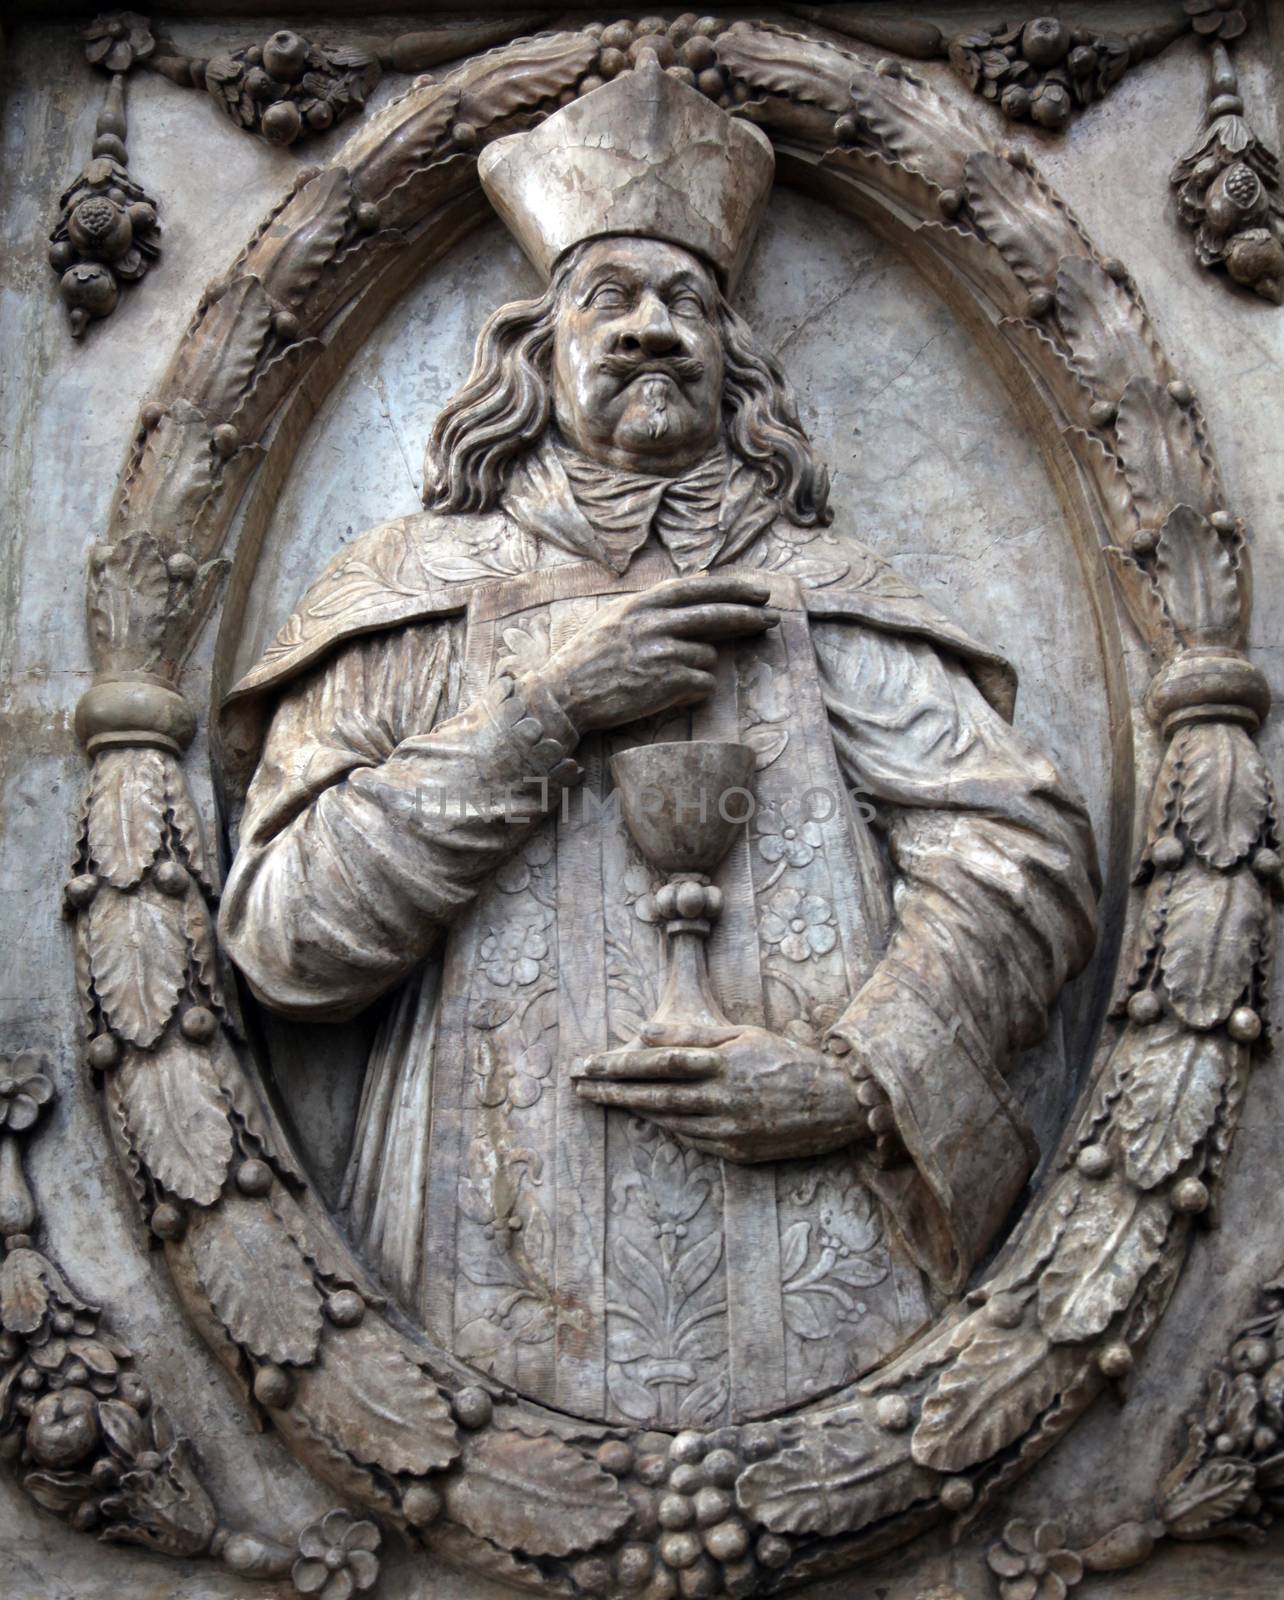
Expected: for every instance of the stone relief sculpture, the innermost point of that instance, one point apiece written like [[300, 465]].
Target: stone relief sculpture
[[625, 475], [705, 887]]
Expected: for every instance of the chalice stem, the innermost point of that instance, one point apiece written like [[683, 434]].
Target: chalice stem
[[687, 998]]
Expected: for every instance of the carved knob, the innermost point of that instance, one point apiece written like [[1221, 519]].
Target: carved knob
[[134, 711], [1206, 685]]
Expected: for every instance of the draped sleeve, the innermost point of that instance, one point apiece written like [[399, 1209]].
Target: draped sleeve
[[994, 900], [377, 811]]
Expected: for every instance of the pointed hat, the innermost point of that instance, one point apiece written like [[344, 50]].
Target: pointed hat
[[644, 154]]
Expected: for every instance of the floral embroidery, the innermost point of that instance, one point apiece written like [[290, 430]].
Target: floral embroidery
[[802, 925], [513, 954], [784, 834]]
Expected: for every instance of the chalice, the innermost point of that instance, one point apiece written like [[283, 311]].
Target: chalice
[[683, 804]]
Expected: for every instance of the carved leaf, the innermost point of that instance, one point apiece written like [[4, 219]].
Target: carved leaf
[[292, 255], [1140, 595], [138, 957], [176, 1119], [1173, 1088], [126, 1433], [1212, 937], [987, 1398], [128, 588], [1210, 1495], [801, 70], [696, 1266], [515, 83], [1111, 1241], [258, 1284], [1226, 792], [835, 1480], [369, 1398], [1198, 579], [1109, 337], [126, 814], [214, 368], [186, 829], [1160, 452], [914, 125], [199, 930], [536, 1495], [394, 169], [484, 1556], [1019, 216], [705, 1403]]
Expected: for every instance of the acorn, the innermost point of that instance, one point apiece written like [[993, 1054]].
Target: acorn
[[285, 55], [198, 1023], [473, 1408], [171, 879], [168, 1222], [345, 1308], [281, 123], [80, 890], [254, 1177], [422, 1504], [273, 1387], [103, 1052]]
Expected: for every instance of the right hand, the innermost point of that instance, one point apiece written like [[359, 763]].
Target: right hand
[[648, 652]]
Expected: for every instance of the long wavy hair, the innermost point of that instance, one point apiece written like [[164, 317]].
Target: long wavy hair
[[506, 405]]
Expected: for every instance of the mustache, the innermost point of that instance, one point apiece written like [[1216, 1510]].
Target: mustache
[[686, 369]]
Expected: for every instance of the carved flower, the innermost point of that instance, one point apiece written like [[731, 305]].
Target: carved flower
[[513, 954], [526, 869], [637, 885], [801, 924], [1033, 1563], [785, 834], [337, 1557], [24, 1092], [117, 39], [1217, 19]]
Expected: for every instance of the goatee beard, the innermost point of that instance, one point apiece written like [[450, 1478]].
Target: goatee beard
[[655, 399]]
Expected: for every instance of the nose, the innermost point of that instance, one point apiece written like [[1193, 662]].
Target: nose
[[651, 331]]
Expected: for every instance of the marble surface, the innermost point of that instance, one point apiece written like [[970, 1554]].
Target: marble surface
[[932, 465]]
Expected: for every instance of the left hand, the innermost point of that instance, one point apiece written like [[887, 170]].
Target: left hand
[[746, 1095]]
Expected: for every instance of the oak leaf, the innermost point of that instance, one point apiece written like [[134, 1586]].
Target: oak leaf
[[536, 1495], [175, 1118]]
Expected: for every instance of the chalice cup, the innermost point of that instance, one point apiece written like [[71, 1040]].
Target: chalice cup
[[683, 804]]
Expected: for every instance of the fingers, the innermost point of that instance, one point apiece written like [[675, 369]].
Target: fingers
[[657, 1100], [712, 588], [718, 621], [672, 1063]]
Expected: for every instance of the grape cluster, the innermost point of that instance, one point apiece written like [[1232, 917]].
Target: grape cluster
[[684, 47], [689, 1540]]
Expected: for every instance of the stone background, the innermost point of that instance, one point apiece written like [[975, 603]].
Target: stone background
[[933, 465]]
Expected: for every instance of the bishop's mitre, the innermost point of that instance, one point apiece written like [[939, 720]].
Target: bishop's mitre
[[644, 154]]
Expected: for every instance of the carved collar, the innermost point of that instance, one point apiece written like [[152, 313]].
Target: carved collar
[[703, 516]]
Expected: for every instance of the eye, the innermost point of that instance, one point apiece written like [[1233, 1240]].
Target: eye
[[608, 297], [686, 303]]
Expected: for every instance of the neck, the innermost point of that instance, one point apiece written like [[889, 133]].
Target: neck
[[618, 458]]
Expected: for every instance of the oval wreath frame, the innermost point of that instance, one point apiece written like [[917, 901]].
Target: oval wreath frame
[[400, 1428]]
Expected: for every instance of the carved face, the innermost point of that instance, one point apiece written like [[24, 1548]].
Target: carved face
[[637, 356]]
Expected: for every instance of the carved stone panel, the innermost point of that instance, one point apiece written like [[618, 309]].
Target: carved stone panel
[[667, 949]]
